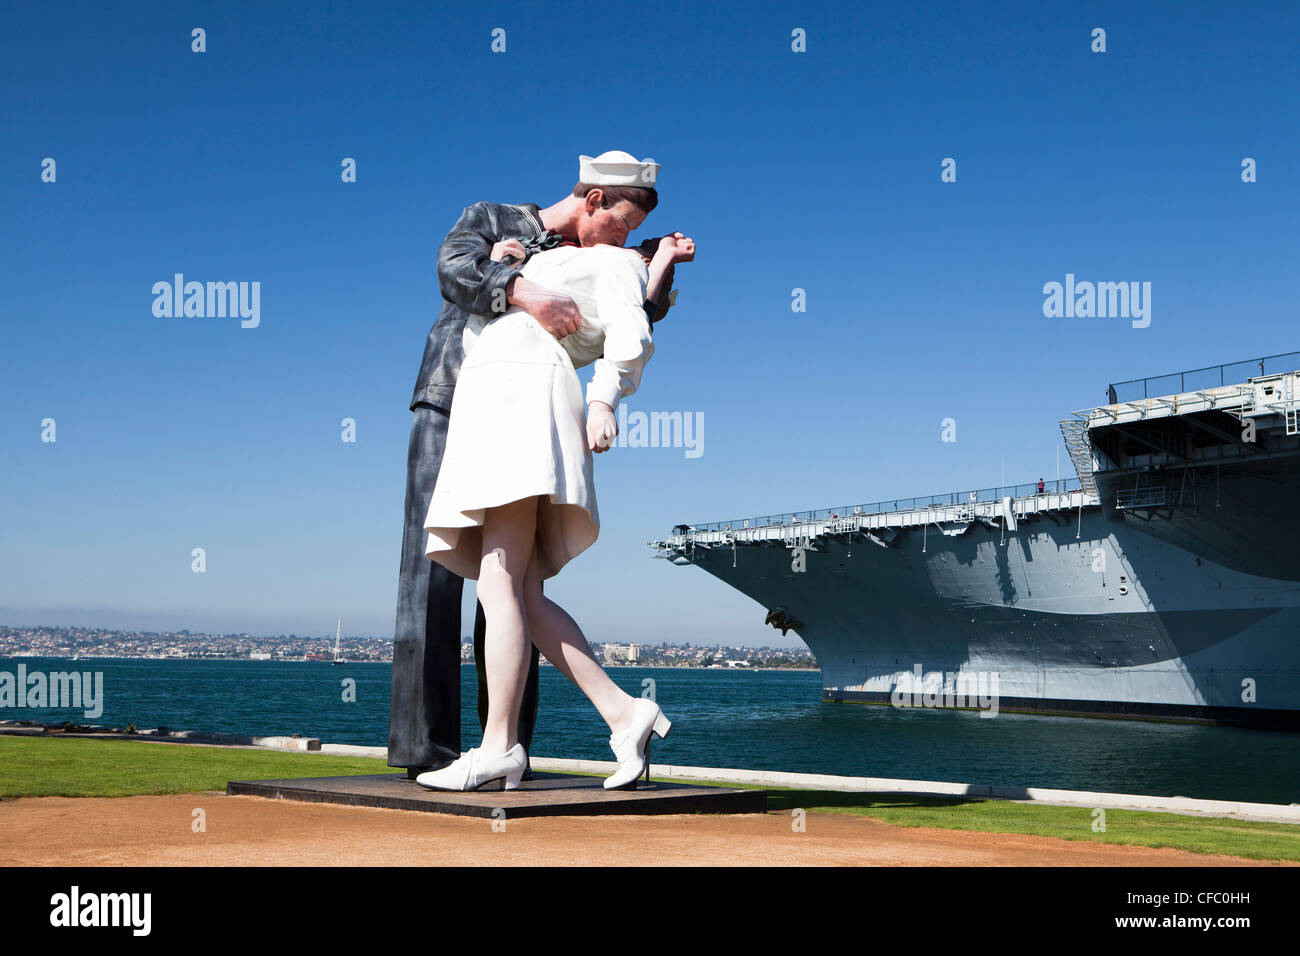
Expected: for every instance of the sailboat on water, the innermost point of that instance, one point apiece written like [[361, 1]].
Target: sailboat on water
[[337, 631]]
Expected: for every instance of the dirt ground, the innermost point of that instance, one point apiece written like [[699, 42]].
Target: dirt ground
[[255, 831]]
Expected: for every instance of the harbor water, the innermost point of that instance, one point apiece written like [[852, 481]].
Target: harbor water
[[758, 720]]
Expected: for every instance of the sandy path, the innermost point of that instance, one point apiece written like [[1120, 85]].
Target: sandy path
[[242, 831]]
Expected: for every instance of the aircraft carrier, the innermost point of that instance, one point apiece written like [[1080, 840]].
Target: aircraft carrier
[[1160, 583]]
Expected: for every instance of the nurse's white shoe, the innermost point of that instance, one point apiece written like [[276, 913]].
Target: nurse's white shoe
[[474, 769], [632, 747]]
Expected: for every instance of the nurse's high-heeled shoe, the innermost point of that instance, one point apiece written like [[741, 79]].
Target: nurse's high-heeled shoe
[[632, 747]]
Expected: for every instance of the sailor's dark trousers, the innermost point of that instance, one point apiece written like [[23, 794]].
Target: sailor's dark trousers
[[424, 715]]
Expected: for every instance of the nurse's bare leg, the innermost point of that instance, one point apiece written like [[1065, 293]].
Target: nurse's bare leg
[[508, 533], [558, 636]]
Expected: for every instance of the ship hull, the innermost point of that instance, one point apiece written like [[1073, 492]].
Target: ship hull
[[1084, 612]]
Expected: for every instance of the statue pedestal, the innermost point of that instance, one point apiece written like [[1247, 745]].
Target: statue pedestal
[[547, 794]]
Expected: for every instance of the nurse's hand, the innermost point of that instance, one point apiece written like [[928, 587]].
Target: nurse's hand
[[676, 248], [601, 427], [509, 247]]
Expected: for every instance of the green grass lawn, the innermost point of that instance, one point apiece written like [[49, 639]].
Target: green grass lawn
[[71, 767], [1245, 838], [78, 767]]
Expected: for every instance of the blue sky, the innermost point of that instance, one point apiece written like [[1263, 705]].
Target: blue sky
[[816, 170]]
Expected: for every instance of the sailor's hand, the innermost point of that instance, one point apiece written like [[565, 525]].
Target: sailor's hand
[[555, 312], [601, 427]]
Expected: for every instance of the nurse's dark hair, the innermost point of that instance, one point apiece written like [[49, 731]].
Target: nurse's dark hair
[[644, 198]]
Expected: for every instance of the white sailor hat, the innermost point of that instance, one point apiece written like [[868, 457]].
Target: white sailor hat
[[617, 168]]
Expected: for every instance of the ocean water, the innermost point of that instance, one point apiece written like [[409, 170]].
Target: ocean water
[[763, 720]]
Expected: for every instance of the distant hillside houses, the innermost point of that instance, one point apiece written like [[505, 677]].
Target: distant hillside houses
[[621, 653]]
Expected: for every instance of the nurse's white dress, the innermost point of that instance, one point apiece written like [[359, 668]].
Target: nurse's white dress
[[518, 419]]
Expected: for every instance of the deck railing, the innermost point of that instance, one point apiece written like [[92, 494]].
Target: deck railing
[[1061, 486], [1212, 376]]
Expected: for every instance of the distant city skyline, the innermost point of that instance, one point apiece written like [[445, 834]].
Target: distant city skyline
[[105, 643]]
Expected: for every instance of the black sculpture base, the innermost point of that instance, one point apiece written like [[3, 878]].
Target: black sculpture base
[[547, 795]]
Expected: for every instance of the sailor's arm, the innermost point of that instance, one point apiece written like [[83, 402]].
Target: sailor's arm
[[468, 276], [554, 311]]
